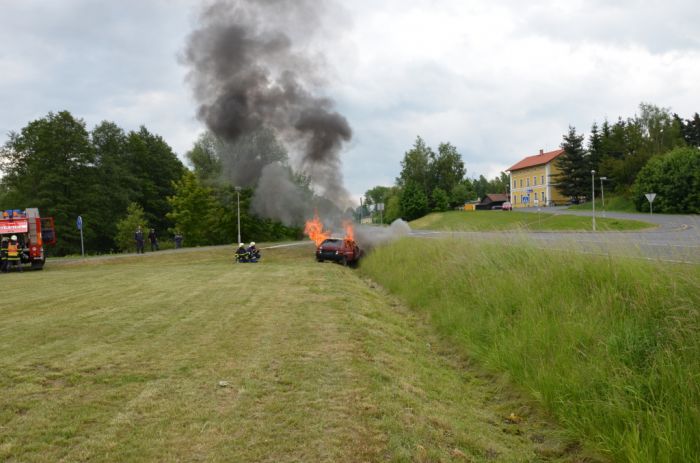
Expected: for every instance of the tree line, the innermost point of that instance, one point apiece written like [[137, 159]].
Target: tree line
[[429, 181], [118, 180], [653, 152]]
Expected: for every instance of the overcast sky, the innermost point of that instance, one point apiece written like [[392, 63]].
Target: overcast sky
[[498, 79]]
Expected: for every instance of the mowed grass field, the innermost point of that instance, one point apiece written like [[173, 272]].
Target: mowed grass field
[[525, 221], [185, 356]]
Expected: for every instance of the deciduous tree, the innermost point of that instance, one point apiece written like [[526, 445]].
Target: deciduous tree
[[441, 202], [415, 167], [675, 178], [48, 165], [414, 202], [127, 226]]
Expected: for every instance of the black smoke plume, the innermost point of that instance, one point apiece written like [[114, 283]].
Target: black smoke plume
[[250, 71]]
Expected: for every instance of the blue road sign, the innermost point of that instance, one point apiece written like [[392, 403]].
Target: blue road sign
[[79, 223]]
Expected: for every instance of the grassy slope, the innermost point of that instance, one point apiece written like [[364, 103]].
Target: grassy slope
[[612, 203], [120, 359], [514, 220], [611, 346]]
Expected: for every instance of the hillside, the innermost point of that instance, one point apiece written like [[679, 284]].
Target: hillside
[[609, 344], [185, 356]]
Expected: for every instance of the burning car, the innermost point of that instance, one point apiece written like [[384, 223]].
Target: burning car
[[343, 251]]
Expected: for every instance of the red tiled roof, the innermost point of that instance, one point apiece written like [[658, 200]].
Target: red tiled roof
[[535, 160]]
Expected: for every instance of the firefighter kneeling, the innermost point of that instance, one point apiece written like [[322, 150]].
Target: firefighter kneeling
[[250, 254]]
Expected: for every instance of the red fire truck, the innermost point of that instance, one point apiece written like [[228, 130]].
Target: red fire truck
[[33, 232]]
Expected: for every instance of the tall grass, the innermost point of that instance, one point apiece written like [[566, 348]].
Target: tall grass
[[611, 346]]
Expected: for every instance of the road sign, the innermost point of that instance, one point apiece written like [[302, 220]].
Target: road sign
[[79, 223], [650, 198]]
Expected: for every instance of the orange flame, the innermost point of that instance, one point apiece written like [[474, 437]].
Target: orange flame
[[349, 231], [314, 230]]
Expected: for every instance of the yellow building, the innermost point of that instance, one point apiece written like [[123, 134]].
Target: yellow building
[[532, 181]]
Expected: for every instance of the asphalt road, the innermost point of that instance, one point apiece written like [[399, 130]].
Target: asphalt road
[[676, 238]]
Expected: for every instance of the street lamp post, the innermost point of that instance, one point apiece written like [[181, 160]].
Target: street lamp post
[[602, 193], [593, 195], [238, 210]]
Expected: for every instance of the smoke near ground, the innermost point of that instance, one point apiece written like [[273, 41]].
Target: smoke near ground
[[250, 73], [371, 237]]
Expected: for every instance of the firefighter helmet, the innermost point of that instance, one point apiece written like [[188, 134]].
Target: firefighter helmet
[[241, 244], [252, 243], [13, 237]]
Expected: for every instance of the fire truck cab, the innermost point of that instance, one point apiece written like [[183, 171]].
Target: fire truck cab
[[33, 233]]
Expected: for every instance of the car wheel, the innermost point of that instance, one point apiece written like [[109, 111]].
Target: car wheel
[[343, 261]]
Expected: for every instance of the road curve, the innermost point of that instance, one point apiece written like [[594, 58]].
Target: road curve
[[676, 238]]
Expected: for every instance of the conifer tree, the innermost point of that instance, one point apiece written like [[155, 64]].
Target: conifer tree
[[574, 179]]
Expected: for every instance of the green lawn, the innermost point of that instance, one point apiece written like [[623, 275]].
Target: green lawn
[[514, 220], [120, 359], [609, 345]]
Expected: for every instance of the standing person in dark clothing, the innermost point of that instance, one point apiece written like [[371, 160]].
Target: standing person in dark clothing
[[153, 239], [138, 237], [178, 240]]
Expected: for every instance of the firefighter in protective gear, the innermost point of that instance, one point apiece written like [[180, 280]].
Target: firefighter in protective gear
[[241, 253], [253, 252], [13, 254]]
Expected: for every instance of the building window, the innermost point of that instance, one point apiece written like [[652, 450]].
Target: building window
[[521, 183], [513, 183], [528, 181], [543, 180], [534, 180]]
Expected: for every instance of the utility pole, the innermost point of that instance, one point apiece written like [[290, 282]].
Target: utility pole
[[602, 193], [593, 195], [79, 223], [238, 207], [361, 209]]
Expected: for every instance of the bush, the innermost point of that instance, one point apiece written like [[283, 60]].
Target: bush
[[135, 218], [675, 178]]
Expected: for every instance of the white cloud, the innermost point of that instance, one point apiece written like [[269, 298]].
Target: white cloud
[[499, 79]]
